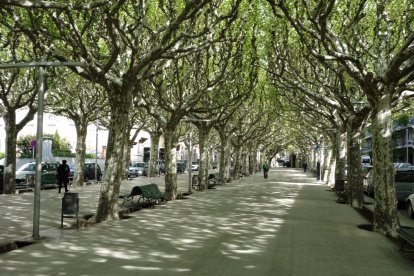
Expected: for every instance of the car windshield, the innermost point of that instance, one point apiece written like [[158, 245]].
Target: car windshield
[[28, 168], [138, 165], [402, 165]]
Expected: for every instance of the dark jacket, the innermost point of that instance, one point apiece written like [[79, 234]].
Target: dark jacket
[[63, 172]]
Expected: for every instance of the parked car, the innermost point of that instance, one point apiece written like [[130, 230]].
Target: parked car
[[181, 167], [132, 171], [403, 166], [194, 166], [89, 172], [403, 182], [137, 169], [286, 163], [410, 205], [366, 160], [48, 176], [160, 168], [367, 180]]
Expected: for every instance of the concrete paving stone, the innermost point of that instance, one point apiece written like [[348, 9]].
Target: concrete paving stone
[[284, 225]]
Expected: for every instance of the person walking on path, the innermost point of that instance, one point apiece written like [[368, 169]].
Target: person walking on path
[[265, 169], [305, 166], [63, 172]]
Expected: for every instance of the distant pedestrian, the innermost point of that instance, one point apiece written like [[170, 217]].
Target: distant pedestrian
[[265, 169], [305, 166], [63, 172]]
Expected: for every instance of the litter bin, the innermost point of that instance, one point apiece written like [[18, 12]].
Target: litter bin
[[30, 180]]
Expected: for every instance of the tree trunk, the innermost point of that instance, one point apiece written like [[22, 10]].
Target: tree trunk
[[127, 155], [245, 166], [330, 181], [386, 218], [9, 185], [203, 163], [152, 169], [341, 157], [354, 179], [170, 164], [252, 160], [224, 143], [120, 102], [81, 132], [236, 169]]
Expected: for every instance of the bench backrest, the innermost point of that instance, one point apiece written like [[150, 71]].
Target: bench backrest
[[154, 189], [150, 191], [136, 191]]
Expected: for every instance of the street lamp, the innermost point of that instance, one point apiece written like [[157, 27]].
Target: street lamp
[[39, 134]]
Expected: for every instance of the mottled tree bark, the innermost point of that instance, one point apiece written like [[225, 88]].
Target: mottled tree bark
[[155, 141], [340, 142], [354, 178], [120, 103], [81, 132], [9, 184], [171, 140], [203, 131], [386, 218], [236, 169]]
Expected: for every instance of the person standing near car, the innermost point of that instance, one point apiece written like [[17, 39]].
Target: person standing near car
[[265, 169], [63, 172]]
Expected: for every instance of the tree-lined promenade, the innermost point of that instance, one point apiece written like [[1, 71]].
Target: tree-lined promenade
[[252, 77]]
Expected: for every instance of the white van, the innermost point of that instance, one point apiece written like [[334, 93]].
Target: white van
[[366, 160]]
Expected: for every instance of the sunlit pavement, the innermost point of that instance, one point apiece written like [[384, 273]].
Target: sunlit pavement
[[284, 225]]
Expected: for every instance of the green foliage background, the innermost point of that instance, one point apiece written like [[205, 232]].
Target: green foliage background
[[60, 146]]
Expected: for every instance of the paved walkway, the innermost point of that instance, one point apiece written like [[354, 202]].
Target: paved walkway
[[284, 225]]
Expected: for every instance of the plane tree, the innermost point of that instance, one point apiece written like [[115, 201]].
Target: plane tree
[[177, 89], [297, 72], [83, 103], [154, 128], [216, 109], [373, 42], [18, 91], [120, 43]]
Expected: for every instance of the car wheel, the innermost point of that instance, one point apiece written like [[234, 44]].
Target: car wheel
[[85, 179], [99, 177], [410, 209]]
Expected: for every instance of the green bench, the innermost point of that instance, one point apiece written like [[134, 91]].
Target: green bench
[[136, 191], [151, 195]]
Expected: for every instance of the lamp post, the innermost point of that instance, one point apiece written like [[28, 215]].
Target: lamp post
[[39, 133]]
